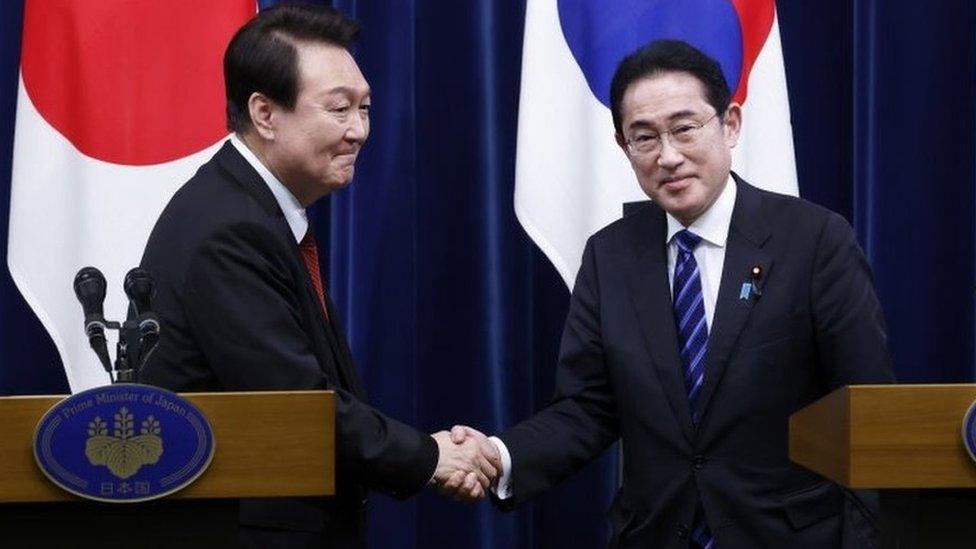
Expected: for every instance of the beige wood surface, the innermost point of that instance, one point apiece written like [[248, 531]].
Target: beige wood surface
[[887, 436], [275, 443]]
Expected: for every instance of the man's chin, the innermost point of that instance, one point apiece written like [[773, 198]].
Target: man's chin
[[683, 209], [678, 196], [343, 178]]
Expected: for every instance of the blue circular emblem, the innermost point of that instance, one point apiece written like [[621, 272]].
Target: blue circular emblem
[[969, 430], [123, 443]]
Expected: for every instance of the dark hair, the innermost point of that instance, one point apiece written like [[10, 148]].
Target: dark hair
[[262, 56], [663, 56]]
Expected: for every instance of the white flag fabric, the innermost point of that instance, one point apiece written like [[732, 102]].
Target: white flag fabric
[[119, 103], [571, 178]]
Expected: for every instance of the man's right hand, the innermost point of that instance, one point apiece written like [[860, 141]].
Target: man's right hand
[[467, 464]]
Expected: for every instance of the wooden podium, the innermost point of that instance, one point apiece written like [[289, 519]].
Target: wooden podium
[[267, 444], [904, 439]]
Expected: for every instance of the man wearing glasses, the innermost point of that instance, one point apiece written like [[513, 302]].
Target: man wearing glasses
[[697, 325]]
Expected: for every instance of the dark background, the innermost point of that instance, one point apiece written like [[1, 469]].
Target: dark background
[[454, 315]]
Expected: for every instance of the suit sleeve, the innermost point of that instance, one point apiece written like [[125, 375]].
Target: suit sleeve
[[581, 421], [242, 306], [852, 345], [850, 328]]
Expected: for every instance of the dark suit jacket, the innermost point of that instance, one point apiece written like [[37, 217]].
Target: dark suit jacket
[[239, 313], [817, 326]]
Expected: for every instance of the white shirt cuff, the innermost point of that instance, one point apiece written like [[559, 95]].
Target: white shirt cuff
[[503, 488]]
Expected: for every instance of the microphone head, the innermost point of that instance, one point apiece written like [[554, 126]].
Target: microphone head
[[90, 290], [140, 287]]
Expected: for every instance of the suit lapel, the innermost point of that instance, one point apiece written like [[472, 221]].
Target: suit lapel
[[248, 178], [339, 356], [744, 250], [647, 282]]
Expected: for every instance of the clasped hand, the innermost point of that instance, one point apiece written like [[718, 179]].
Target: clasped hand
[[468, 463]]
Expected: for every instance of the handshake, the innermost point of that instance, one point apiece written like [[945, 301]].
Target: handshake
[[468, 463]]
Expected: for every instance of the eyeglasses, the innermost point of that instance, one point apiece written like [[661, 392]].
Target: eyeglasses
[[681, 137]]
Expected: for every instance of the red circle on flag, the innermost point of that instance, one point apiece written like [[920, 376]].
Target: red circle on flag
[[131, 82]]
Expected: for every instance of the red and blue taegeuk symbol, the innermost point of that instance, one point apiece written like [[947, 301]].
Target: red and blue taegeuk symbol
[[601, 32]]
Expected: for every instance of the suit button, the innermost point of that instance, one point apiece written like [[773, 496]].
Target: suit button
[[682, 531], [698, 462]]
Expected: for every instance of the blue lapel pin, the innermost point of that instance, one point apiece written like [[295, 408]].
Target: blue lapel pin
[[746, 290]]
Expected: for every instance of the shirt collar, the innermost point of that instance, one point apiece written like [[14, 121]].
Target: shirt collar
[[294, 212], [713, 225]]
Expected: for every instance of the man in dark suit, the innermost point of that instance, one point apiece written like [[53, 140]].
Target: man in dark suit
[[239, 290], [697, 325]]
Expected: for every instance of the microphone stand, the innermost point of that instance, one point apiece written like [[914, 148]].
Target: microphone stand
[[137, 340], [138, 335]]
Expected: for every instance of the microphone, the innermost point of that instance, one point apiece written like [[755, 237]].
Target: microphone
[[90, 290], [140, 288]]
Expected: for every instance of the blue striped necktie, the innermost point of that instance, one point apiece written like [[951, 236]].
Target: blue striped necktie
[[689, 318]]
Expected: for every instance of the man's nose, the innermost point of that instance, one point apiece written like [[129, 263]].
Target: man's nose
[[358, 128], [669, 156]]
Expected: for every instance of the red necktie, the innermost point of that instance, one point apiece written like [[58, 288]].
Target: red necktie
[[310, 254]]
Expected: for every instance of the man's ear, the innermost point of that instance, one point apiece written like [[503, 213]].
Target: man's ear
[[261, 110], [732, 124]]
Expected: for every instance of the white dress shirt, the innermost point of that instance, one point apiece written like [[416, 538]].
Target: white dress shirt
[[713, 228], [294, 212]]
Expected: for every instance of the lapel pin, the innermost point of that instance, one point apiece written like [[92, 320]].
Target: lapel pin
[[746, 290], [755, 273]]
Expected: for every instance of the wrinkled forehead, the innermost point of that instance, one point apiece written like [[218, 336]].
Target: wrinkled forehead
[[324, 68], [663, 97]]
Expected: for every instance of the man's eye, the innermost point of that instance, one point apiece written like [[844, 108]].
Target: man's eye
[[643, 138], [684, 129]]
